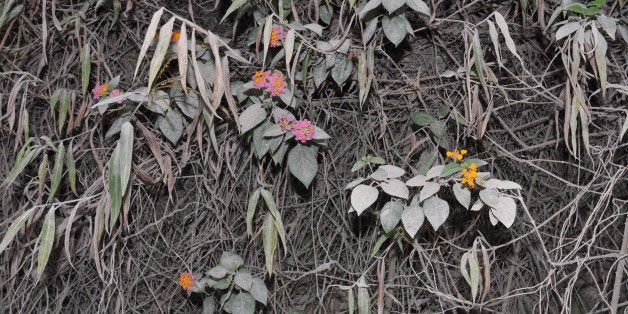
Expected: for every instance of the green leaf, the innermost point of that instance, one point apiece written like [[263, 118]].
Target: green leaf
[[462, 195], [302, 163], [240, 303], [392, 5], [395, 187], [364, 304], [412, 219], [390, 215], [251, 117], [165, 34], [54, 99], [472, 276], [250, 211], [268, 28], [63, 108], [436, 211], [231, 261], [115, 186], [319, 73], [272, 207], [395, 28], [269, 239], [171, 125], [325, 13], [223, 284], [342, 70], [46, 240], [125, 154], [450, 169], [14, 228], [259, 290], [57, 171], [378, 243], [260, 144], [503, 27], [351, 301], [25, 157], [362, 197], [422, 118], [69, 162], [361, 163], [236, 4], [148, 38], [86, 64], [243, 279]]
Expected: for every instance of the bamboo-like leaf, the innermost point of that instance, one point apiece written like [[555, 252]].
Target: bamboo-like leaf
[[53, 100], [600, 58], [250, 211], [235, 4], [63, 108], [268, 28], [57, 171], [503, 26], [269, 239], [46, 239], [148, 38], [115, 186], [86, 64], [573, 123], [165, 34], [289, 47], [14, 228], [71, 168], [351, 301], [125, 154], [182, 56], [272, 207], [584, 121], [495, 39], [25, 156]]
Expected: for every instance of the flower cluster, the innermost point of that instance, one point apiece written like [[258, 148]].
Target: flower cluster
[[457, 155], [469, 175], [277, 35], [274, 83], [303, 130], [101, 90], [186, 281], [176, 35]]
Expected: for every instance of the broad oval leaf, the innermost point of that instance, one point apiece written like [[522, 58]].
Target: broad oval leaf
[[259, 290], [251, 117], [501, 184], [418, 180], [394, 28], [436, 211], [393, 171], [462, 195], [419, 6], [392, 5], [477, 206], [243, 279], [412, 219], [231, 260], [354, 183], [369, 6], [302, 163], [490, 197], [241, 303], [342, 70], [505, 211], [390, 215], [422, 118], [171, 125], [429, 189], [395, 187], [567, 29], [362, 197], [434, 172]]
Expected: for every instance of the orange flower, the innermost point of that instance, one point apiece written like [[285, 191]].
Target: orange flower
[[469, 175], [457, 155], [100, 90], [186, 281], [277, 34], [176, 35]]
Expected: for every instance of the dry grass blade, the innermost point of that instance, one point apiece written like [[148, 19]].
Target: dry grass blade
[[200, 81], [182, 56]]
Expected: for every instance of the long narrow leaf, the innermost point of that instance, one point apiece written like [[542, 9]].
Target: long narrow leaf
[[46, 239], [269, 238], [148, 38], [57, 171], [165, 35], [125, 154], [250, 212], [182, 56], [20, 164], [69, 162], [86, 64], [272, 207], [14, 228]]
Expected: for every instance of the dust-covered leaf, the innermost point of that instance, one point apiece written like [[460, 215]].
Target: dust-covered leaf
[[369, 6], [250, 211], [503, 27], [171, 125], [342, 70], [390, 215], [429, 189], [462, 195], [501, 184], [148, 38], [505, 211], [392, 5], [395, 187], [418, 180], [57, 171], [14, 228], [165, 34], [412, 219], [251, 117], [394, 28], [362, 197], [259, 290], [269, 239], [490, 197], [436, 211], [46, 240], [86, 64], [419, 6], [302, 163]]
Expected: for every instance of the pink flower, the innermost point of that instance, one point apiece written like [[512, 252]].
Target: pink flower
[[260, 79], [277, 35], [303, 130], [99, 90], [286, 122], [116, 92], [276, 84]]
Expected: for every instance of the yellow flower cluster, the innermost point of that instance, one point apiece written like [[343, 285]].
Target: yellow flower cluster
[[456, 154], [469, 175], [186, 281]]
